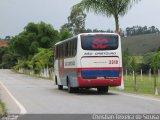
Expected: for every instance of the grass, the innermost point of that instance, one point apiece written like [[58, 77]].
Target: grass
[[144, 86], [32, 75], [2, 109]]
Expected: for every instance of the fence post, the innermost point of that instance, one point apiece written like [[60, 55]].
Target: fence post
[[158, 75], [126, 74], [133, 75], [47, 72], [156, 88], [141, 74], [149, 74]]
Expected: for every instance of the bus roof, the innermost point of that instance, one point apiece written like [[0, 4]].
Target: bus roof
[[85, 34]]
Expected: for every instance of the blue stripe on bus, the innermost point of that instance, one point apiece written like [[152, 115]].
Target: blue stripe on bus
[[100, 73]]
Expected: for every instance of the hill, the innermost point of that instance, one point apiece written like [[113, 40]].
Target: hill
[[141, 44]]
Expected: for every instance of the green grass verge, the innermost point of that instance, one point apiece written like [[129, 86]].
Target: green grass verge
[[2, 109], [145, 85], [32, 75]]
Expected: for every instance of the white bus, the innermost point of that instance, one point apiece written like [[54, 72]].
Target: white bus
[[88, 60]]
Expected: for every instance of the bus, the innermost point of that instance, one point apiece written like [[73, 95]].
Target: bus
[[88, 60]]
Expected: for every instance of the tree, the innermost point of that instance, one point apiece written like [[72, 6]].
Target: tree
[[115, 8], [155, 65], [126, 59], [42, 58], [65, 31], [76, 22], [34, 36], [133, 66], [6, 58], [139, 30]]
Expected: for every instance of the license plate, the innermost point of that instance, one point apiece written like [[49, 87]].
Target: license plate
[[100, 77]]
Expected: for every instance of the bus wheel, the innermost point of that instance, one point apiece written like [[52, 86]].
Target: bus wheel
[[56, 80], [102, 89], [60, 87], [76, 90], [70, 89]]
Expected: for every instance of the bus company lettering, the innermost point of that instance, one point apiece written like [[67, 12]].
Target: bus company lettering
[[105, 53], [70, 63], [100, 53], [88, 53]]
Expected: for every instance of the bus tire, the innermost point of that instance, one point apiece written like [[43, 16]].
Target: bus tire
[[56, 80], [102, 89], [70, 89], [60, 87]]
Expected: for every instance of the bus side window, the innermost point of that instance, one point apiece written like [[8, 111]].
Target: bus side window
[[69, 48], [62, 50], [63, 56], [58, 53], [75, 47], [55, 52], [66, 50]]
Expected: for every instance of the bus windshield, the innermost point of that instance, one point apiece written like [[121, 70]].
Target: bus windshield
[[99, 42]]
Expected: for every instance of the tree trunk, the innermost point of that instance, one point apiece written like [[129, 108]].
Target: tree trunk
[[155, 83], [117, 23], [135, 82]]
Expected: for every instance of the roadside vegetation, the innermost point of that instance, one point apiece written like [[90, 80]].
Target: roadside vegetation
[[2, 109], [145, 85]]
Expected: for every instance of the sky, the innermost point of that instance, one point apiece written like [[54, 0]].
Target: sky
[[16, 14]]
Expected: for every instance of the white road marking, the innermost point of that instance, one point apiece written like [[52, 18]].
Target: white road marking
[[21, 107], [138, 96]]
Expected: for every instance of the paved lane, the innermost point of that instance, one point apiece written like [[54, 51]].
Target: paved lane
[[42, 96]]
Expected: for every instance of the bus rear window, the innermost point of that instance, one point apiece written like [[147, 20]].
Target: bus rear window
[[99, 42]]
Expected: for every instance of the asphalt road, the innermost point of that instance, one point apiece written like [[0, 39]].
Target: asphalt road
[[33, 95]]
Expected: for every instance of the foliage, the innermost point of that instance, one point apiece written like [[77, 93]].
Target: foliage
[[133, 66], [65, 32], [7, 59], [139, 30], [34, 36], [2, 109], [23, 64], [155, 63], [109, 8], [32, 48], [133, 63], [39, 61], [42, 59], [126, 58], [76, 23]]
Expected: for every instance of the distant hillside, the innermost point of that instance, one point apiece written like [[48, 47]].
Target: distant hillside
[[141, 44]]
